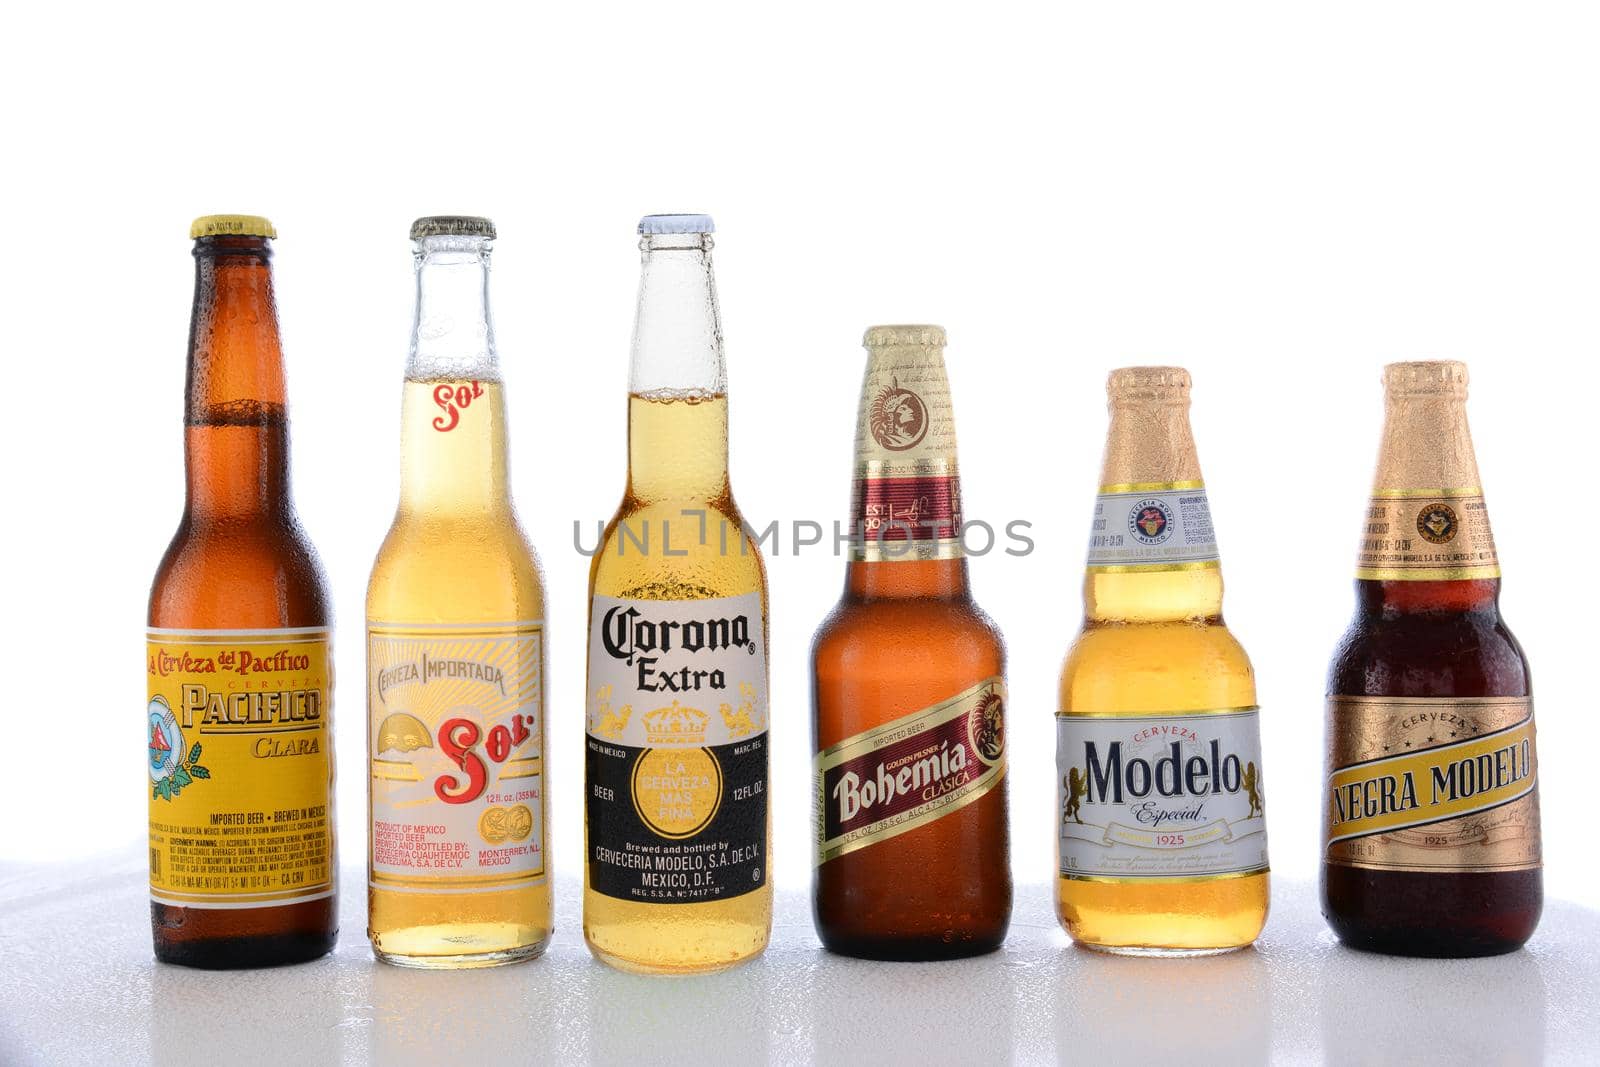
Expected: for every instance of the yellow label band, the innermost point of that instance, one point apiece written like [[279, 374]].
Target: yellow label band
[[240, 768]]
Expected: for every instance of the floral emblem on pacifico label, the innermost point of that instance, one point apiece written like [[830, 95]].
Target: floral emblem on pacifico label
[[898, 418], [1150, 521], [171, 766], [1437, 523]]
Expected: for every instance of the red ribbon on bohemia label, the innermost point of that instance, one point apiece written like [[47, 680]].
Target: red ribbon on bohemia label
[[240, 767], [456, 745], [886, 781], [1432, 784]]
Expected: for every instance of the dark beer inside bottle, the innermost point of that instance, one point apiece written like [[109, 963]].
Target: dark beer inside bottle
[[239, 559], [1430, 639]]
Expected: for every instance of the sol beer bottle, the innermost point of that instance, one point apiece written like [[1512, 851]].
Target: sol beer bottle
[[908, 692], [676, 827], [242, 866], [1162, 844], [1431, 846], [459, 875]]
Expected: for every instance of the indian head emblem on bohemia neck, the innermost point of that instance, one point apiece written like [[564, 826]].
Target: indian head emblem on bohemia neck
[[897, 418]]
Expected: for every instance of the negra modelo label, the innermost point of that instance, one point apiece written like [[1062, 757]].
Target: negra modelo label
[[1427, 535], [1161, 796], [1432, 784], [910, 772], [677, 749]]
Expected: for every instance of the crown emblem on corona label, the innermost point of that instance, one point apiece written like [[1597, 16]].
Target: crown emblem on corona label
[[675, 724], [898, 418]]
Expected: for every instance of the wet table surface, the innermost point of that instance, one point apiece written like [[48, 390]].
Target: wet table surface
[[78, 985]]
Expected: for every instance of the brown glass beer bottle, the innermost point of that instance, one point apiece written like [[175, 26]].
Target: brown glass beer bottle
[[242, 865], [908, 690], [1431, 846]]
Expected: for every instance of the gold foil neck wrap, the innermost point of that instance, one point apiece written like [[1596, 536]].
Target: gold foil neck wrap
[[1149, 440], [1435, 377], [917, 336], [906, 425], [1427, 447]]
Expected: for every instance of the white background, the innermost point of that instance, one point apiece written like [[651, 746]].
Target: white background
[[1280, 197]]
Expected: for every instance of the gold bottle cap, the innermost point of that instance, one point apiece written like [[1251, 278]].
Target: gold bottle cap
[[1447, 377], [232, 226], [1148, 383], [900, 336]]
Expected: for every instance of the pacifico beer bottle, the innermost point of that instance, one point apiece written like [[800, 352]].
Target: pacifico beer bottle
[[458, 873], [676, 825], [908, 692], [242, 865], [1162, 835], [1431, 845]]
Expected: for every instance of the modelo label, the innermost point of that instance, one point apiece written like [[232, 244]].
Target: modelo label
[[677, 749], [240, 767], [1432, 784], [921, 767], [1161, 796], [456, 754], [1152, 527], [1423, 535]]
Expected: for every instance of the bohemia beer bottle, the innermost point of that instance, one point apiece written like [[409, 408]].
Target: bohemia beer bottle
[[242, 863], [677, 829], [1432, 839], [1162, 844], [908, 691], [459, 875]]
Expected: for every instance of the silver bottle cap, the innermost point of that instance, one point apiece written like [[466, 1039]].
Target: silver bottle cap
[[676, 224]]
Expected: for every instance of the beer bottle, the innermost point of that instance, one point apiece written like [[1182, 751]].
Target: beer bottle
[[908, 691], [458, 874], [242, 865], [1431, 842], [676, 828], [1162, 843]]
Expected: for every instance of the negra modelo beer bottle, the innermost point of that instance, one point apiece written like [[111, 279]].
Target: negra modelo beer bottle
[[1432, 835], [242, 863], [908, 691]]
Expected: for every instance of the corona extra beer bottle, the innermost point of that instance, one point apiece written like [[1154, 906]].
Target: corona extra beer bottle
[[1162, 842], [458, 869], [908, 692], [1431, 845], [242, 865], [677, 828]]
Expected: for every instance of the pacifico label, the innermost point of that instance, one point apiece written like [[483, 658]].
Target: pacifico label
[[238, 751], [1175, 796], [1432, 784], [1152, 527], [921, 767], [1421, 535], [456, 755], [677, 749], [906, 498]]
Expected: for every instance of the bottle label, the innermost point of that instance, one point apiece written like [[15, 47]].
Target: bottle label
[[1432, 784], [677, 749], [456, 756], [906, 498], [238, 751], [1175, 796], [1152, 526], [1427, 535], [909, 772]]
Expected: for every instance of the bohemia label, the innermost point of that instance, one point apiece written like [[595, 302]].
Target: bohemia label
[[920, 767], [677, 749], [457, 757], [239, 762], [1155, 526], [1161, 796], [1433, 784]]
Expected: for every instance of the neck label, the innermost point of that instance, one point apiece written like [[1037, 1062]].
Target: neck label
[[1427, 535], [1152, 526]]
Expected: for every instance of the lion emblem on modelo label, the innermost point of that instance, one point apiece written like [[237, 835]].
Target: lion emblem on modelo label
[[897, 417], [986, 726], [1438, 524], [1150, 521]]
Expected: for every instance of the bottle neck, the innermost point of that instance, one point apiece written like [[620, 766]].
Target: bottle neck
[[453, 427], [677, 382], [236, 419], [1151, 471]]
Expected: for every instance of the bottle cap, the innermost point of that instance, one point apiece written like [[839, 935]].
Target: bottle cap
[[898, 336], [1435, 376], [452, 226], [231, 226], [676, 224], [1148, 383]]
